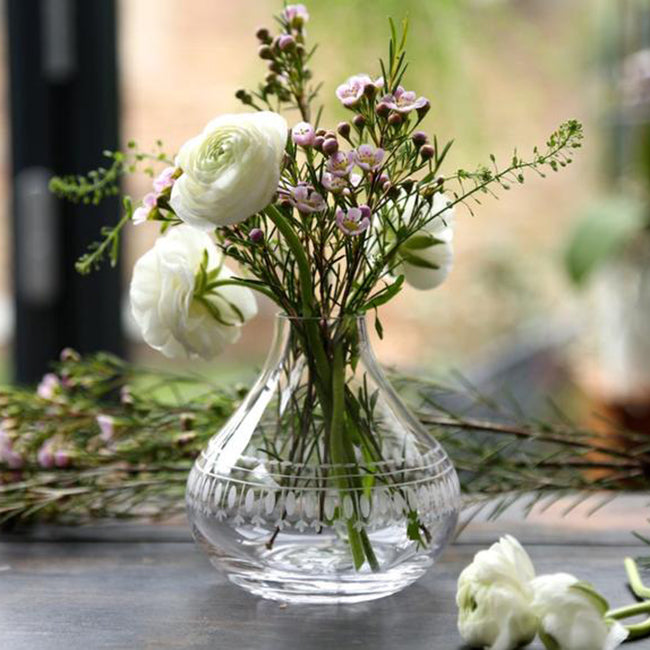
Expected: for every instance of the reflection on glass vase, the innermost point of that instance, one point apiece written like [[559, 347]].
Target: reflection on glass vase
[[322, 487]]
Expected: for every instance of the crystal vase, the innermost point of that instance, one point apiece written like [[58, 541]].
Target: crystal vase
[[322, 487]]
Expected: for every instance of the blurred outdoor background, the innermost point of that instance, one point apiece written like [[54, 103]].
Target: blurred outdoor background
[[500, 74]]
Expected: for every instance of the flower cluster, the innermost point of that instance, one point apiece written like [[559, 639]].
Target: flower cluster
[[502, 605], [329, 223], [323, 221]]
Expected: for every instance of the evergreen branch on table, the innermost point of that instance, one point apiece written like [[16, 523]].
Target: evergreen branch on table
[[104, 439]]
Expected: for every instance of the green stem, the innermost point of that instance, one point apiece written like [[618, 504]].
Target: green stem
[[235, 282], [636, 630], [306, 292], [629, 610], [637, 586]]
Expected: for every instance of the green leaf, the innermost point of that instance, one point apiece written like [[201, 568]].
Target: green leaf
[[414, 260], [420, 241], [379, 328], [588, 590], [606, 228], [386, 294]]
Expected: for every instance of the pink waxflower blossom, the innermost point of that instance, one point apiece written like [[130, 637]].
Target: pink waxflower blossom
[[404, 101], [296, 15], [126, 396], [45, 455], [61, 458], [305, 199], [351, 92], [340, 163], [303, 134], [8, 454], [49, 386], [354, 221], [141, 214], [164, 180], [369, 158], [340, 184], [106, 426]]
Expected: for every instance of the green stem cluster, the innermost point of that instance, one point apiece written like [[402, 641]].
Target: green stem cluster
[[635, 630]]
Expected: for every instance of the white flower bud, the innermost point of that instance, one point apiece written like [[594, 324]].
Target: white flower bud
[[163, 299], [427, 257], [231, 170]]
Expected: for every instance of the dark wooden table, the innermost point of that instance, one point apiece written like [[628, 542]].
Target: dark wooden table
[[130, 587]]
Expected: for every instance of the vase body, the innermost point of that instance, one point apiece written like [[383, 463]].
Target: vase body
[[317, 494]]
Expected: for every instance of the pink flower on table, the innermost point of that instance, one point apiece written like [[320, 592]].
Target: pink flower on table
[[296, 15], [354, 221], [126, 396], [340, 163], [141, 214], [404, 101], [45, 455], [106, 426], [61, 458], [164, 180], [336, 184], [303, 134], [49, 387], [305, 199], [8, 454], [351, 92], [369, 158]]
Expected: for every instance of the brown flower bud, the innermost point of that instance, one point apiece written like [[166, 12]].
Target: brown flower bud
[[343, 129], [330, 146], [265, 52], [263, 35], [395, 119], [427, 152], [419, 138], [382, 109]]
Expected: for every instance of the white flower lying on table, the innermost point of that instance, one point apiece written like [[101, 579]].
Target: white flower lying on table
[[573, 615], [495, 597], [502, 606]]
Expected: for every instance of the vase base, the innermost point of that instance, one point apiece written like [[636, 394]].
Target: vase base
[[299, 573], [317, 591]]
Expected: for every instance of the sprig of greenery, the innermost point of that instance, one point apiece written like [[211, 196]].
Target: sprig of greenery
[[103, 182], [158, 430]]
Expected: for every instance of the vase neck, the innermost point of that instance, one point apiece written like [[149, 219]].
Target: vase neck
[[332, 330]]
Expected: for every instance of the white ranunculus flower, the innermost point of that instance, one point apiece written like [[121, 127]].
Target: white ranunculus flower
[[171, 319], [495, 598], [572, 615], [427, 257], [231, 170]]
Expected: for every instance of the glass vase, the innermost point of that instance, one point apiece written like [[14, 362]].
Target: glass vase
[[322, 487]]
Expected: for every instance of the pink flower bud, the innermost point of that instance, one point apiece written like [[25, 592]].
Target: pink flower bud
[[256, 235], [303, 134], [330, 146], [45, 455], [106, 426], [286, 42], [61, 458]]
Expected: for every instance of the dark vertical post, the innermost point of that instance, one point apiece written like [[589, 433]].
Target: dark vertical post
[[64, 113]]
